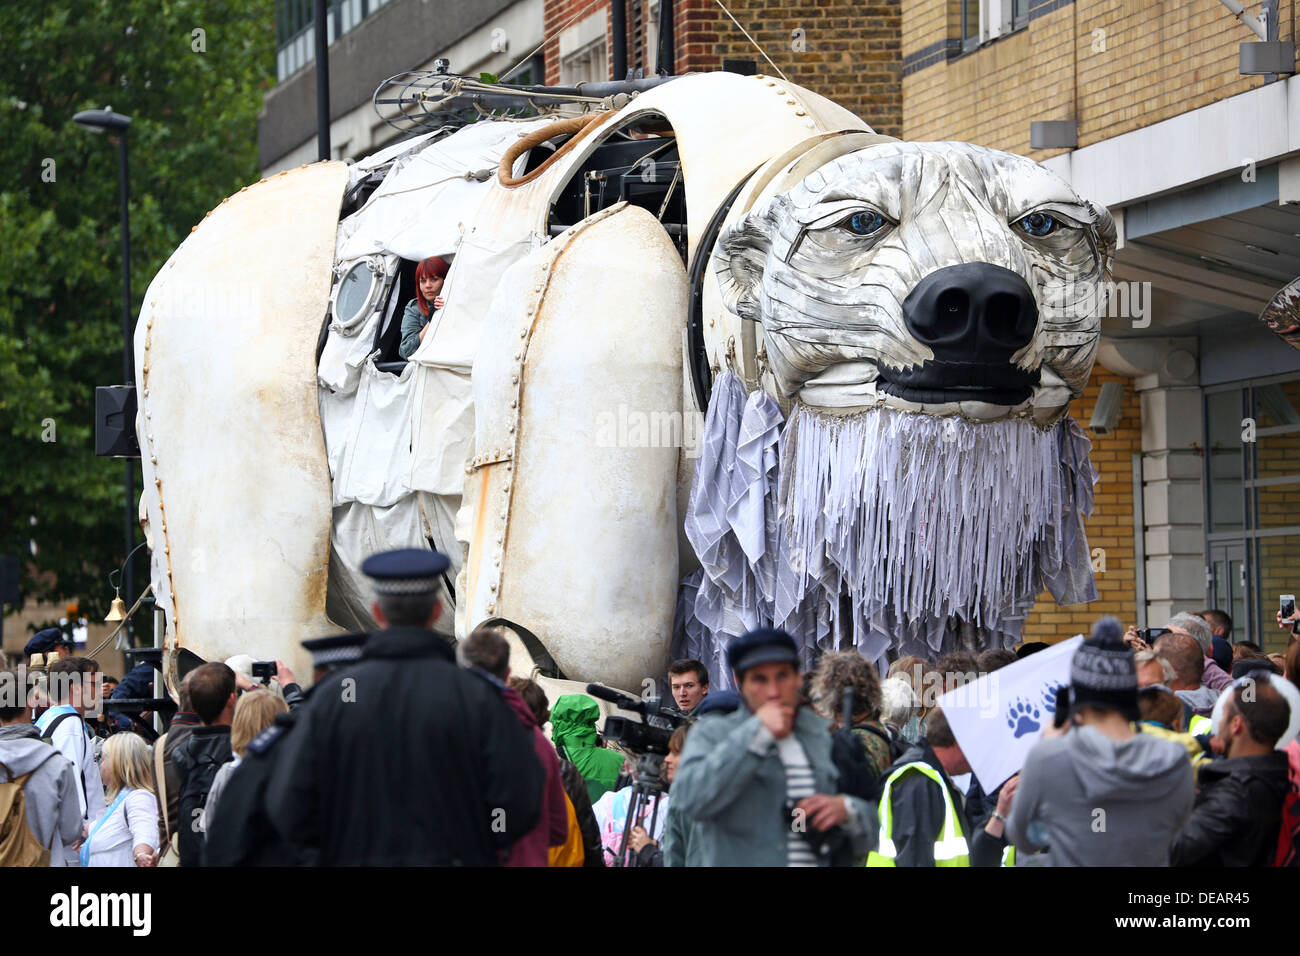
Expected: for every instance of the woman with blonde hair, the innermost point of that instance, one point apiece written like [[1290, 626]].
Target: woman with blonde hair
[[126, 832], [254, 712]]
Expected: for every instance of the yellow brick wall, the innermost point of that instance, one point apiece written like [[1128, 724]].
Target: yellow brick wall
[[1110, 527], [1152, 60]]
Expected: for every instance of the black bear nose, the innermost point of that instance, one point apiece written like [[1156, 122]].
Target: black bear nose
[[972, 312]]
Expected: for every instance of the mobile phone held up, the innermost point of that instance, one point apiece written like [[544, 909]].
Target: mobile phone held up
[[264, 670], [1287, 604], [1061, 715]]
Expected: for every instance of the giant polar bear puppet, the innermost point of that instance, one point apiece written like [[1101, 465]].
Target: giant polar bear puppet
[[882, 339]]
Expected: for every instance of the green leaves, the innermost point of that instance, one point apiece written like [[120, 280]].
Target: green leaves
[[192, 142]]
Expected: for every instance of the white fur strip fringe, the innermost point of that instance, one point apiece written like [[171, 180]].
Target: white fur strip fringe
[[886, 530]]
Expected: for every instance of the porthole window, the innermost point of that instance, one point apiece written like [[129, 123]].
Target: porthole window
[[356, 294]]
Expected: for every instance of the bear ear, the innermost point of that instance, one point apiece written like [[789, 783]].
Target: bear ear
[[1104, 223], [739, 257]]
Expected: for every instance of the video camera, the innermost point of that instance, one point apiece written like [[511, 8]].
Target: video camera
[[638, 738], [648, 743]]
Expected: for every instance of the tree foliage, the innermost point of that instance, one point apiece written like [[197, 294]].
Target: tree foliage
[[190, 74]]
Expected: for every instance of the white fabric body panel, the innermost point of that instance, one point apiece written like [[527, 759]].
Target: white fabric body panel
[[425, 203], [358, 170], [343, 356], [415, 477], [339, 369], [229, 422], [485, 254], [442, 430], [589, 559], [135, 821], [336, 412], [377, 445], [361, 530]]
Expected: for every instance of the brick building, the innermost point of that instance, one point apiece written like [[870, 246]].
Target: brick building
[[845, 50], [1197, 163]]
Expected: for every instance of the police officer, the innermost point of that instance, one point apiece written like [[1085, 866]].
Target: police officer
[[52, 642], [240, 833], [404, 758]]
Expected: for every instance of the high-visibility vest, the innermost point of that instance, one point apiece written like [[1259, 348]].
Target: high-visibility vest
[[1009, 855], [950, 847], [1198, 725]]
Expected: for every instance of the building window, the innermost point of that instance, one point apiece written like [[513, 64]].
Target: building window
[[1252, 479], [584, 51], [295, 35], [985, 20], [531, 73], [970, 24], [588, 65]]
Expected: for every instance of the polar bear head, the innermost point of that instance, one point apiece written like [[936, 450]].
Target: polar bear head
[[943, 278]]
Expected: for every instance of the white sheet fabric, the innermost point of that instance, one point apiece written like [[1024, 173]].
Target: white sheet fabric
[[376, 448], [397, 444], [426, 203]]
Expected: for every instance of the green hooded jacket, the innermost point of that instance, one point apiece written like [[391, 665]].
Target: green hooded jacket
[[573, 727]]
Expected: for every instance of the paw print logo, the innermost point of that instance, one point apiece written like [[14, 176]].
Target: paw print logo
[[1023, 718], [1049, 697]]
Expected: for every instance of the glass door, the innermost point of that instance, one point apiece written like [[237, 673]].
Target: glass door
[[1227, 584]]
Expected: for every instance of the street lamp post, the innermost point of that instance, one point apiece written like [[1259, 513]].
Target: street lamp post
[[97, 121]]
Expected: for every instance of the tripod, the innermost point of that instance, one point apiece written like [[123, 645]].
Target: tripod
[[647, 786]]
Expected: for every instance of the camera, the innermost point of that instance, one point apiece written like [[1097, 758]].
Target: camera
[[264, 670], [825, 844], [637, 738], [1149, 634]]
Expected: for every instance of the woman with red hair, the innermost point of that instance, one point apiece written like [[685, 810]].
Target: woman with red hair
[[429, 276]]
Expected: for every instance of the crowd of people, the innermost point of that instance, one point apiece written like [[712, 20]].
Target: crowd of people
[[1172, 746]]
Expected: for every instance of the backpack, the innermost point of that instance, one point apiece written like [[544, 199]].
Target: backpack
[[198, 770], [18, 844], [571, 852]]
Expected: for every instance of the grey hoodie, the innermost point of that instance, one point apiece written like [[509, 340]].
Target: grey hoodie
[[1094, 801], [1201, 700], [51, 792]]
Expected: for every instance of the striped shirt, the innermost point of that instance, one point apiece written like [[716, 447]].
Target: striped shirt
[[799, 784]]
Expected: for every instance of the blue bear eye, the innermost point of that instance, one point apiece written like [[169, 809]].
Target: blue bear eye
[[864, 223], [1039, 224]]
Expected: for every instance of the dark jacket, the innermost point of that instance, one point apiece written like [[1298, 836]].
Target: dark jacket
[[413, 320], [404, 759], [177, 733], [918, 810], [240, 832], [576, 788], [293, 696], [1237, 813], [197, 761]]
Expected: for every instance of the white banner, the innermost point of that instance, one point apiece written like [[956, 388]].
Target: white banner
[[999, 717]]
